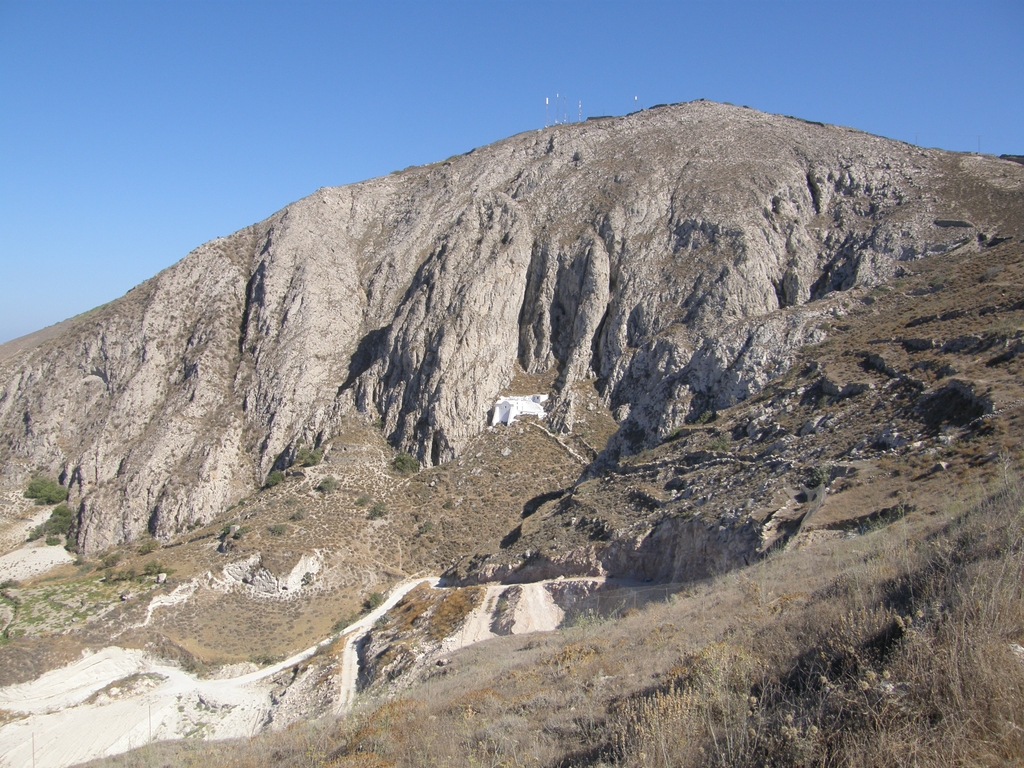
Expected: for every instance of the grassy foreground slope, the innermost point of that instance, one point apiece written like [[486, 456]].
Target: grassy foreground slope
[[898, 647]]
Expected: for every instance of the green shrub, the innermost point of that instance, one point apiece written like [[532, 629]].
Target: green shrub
[[45, 491], [60, 520], [426, 527], [706, 416], [378, 510], [128, 574], [327, 485], [278, 529], [274, 478], [819, 475], [375, 600], [53, 541], [719, 444], [109, 561], [583, 619], [153, 567], [297, 515], [149, 546], [241, 532], [362, 500], [307, 458], [405, 464]]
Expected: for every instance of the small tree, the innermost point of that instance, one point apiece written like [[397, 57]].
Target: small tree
[[819, 475], [405, 464], [327, 485], [58, 524], [148, 547], [45, 491], [274, 478], [304, 457], [706, 416], [719, 444], [109, 561], [153, 567], [60, 520]]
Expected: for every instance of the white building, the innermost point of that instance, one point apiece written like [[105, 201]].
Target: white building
[[508, 408]]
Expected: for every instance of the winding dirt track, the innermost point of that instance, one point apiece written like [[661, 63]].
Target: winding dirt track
[[357, 631], [119, 699]]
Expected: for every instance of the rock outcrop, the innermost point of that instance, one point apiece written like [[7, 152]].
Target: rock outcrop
[[674, 255]]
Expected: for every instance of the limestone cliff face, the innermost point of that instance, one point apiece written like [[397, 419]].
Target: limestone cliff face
[[675, 255]]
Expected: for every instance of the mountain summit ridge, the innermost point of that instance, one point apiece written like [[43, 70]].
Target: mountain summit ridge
[[675, 256]]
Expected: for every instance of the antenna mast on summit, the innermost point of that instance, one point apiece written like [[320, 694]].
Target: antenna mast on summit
[[546, 121], [579, 113]]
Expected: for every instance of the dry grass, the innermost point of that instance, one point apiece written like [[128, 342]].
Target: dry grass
[[905, 660], [453, 610], [891, 648]]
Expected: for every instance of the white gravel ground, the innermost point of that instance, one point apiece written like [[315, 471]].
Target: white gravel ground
[[118, 699], [31, 560]]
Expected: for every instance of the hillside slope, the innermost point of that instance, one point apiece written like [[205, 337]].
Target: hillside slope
[[674, 256], [774, 504]]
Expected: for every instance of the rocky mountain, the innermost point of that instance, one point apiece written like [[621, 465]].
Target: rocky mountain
[[677, 258], [773, 504]]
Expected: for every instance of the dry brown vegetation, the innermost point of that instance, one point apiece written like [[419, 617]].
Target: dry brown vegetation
[[421, 619], [485, 504], [895, 647], [903, 348], [884, 635]]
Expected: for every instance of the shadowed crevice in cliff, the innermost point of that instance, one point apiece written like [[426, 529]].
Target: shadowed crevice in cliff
[[371, 347], [538, 501], [255, 294]]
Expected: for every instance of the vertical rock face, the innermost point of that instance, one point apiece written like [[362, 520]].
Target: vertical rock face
[[675, 255]]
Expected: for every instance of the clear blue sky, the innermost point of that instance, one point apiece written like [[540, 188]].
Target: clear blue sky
[[131, 132]]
